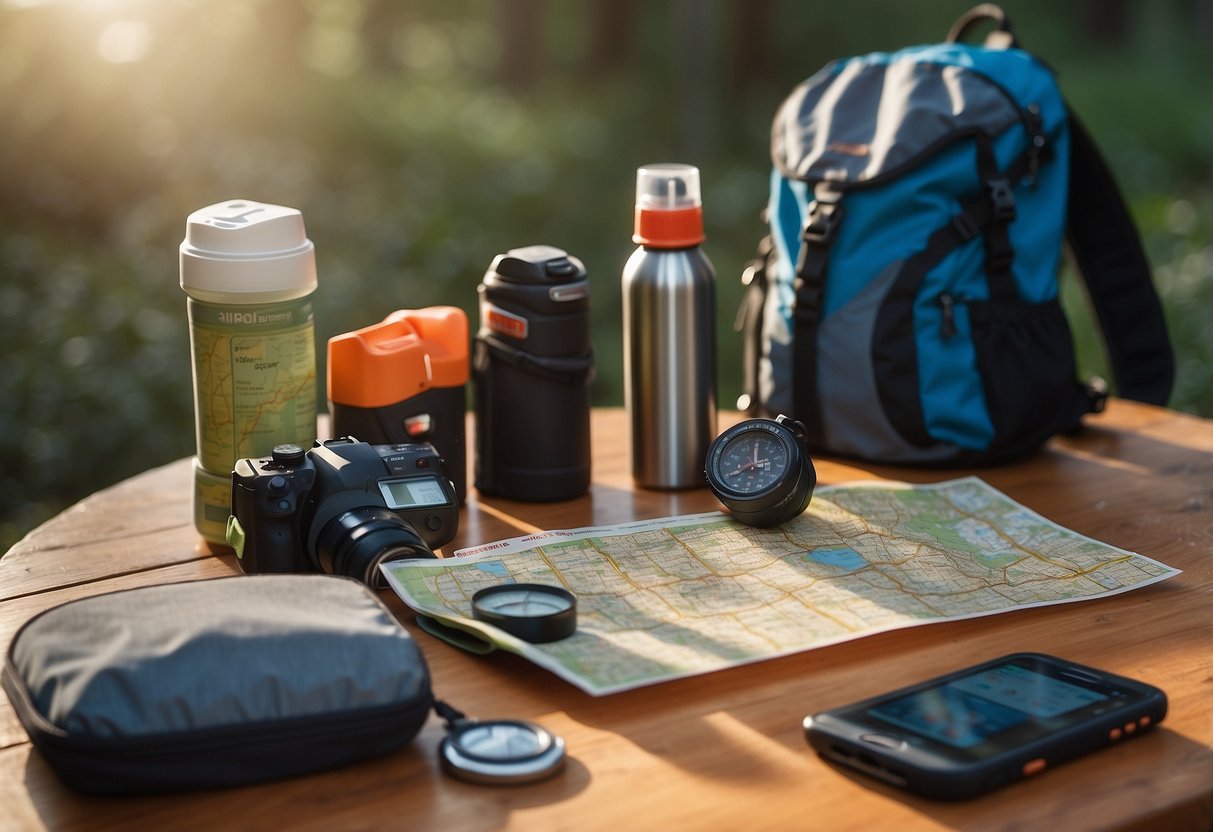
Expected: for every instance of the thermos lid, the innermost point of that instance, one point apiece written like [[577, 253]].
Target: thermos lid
[[241, 247], [669, 209], [537, 264]]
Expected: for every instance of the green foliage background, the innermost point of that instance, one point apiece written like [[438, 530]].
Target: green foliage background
[[421, 138]]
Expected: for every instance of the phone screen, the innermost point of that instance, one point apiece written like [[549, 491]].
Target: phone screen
[[969, 710]]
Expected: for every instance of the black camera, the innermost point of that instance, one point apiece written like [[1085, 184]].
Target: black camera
[[343, 507]]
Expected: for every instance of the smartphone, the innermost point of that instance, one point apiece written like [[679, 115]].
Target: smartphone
[[969, 732]]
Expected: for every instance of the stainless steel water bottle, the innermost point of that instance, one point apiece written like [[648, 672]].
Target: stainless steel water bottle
[[249, 271], [669, 331]]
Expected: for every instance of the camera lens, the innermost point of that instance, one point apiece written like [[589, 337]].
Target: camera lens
[[356, 542]]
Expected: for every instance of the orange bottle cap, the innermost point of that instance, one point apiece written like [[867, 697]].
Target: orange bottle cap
[[669, 229], [669, 210]]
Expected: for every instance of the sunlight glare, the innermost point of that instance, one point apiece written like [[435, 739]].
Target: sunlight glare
[[124, 41], [98, 6]]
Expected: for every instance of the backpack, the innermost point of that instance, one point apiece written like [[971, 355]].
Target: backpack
[[904, 305]]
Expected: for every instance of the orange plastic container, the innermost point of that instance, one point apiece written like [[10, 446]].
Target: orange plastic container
[[403, 380]]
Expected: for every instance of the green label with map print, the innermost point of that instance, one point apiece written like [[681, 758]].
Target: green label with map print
[[254, 385]]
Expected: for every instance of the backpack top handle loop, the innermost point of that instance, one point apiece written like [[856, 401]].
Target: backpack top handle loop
[[1002, 37]]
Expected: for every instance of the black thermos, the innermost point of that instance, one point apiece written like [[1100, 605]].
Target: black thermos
[[532, 364]]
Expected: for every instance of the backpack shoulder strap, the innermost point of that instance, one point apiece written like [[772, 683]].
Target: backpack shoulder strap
[[1107, 248], [1108, 251]]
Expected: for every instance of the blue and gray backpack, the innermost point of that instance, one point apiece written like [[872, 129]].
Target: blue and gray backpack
[[905, 303]]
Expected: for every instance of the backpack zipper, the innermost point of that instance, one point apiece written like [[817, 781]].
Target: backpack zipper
[[1034, 123], [947, 326]]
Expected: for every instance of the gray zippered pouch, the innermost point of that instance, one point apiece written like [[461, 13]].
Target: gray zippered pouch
[[213, 683]]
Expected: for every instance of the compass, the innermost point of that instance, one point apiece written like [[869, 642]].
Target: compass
[[537, 613], [760, 469], [501, 751]]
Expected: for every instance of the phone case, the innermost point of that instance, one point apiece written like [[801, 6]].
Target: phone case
[[904, 759]]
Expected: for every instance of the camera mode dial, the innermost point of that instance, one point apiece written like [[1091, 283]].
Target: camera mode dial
[[287, 456]]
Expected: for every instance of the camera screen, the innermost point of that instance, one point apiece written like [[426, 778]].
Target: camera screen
[[410, 493], [970, 710]]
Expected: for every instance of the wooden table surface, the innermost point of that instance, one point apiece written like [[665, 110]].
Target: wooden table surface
[[724, 750]]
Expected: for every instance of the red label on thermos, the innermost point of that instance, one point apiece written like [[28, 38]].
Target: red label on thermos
[[505, 323]]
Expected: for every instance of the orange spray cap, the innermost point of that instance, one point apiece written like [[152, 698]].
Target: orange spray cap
[[669, 210], [411, 351]]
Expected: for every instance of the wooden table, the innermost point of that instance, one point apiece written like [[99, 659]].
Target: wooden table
[[725, 750]]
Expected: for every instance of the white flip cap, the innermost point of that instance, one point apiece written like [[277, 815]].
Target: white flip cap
[[243, 247]]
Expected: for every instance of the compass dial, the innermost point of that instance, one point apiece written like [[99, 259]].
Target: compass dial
[[501, 751], [761, 471], [752, 461], [534, 612]]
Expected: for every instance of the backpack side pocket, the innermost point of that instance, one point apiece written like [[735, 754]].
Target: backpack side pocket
[[1026, 359]]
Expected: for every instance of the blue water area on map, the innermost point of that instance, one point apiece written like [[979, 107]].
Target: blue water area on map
[[842, 558], [493, 567]]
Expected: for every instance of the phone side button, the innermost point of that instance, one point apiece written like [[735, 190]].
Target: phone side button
[[884, 741], [1034, 766], [1115, 734]]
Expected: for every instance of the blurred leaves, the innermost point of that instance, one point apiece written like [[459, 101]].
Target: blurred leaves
[[421, 138]]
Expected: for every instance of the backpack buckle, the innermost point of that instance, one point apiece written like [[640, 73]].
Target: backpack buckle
[[1002, 200], [823, 215], [965, 226]]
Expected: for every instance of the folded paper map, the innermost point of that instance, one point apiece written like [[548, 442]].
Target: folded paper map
[[674, 597]]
